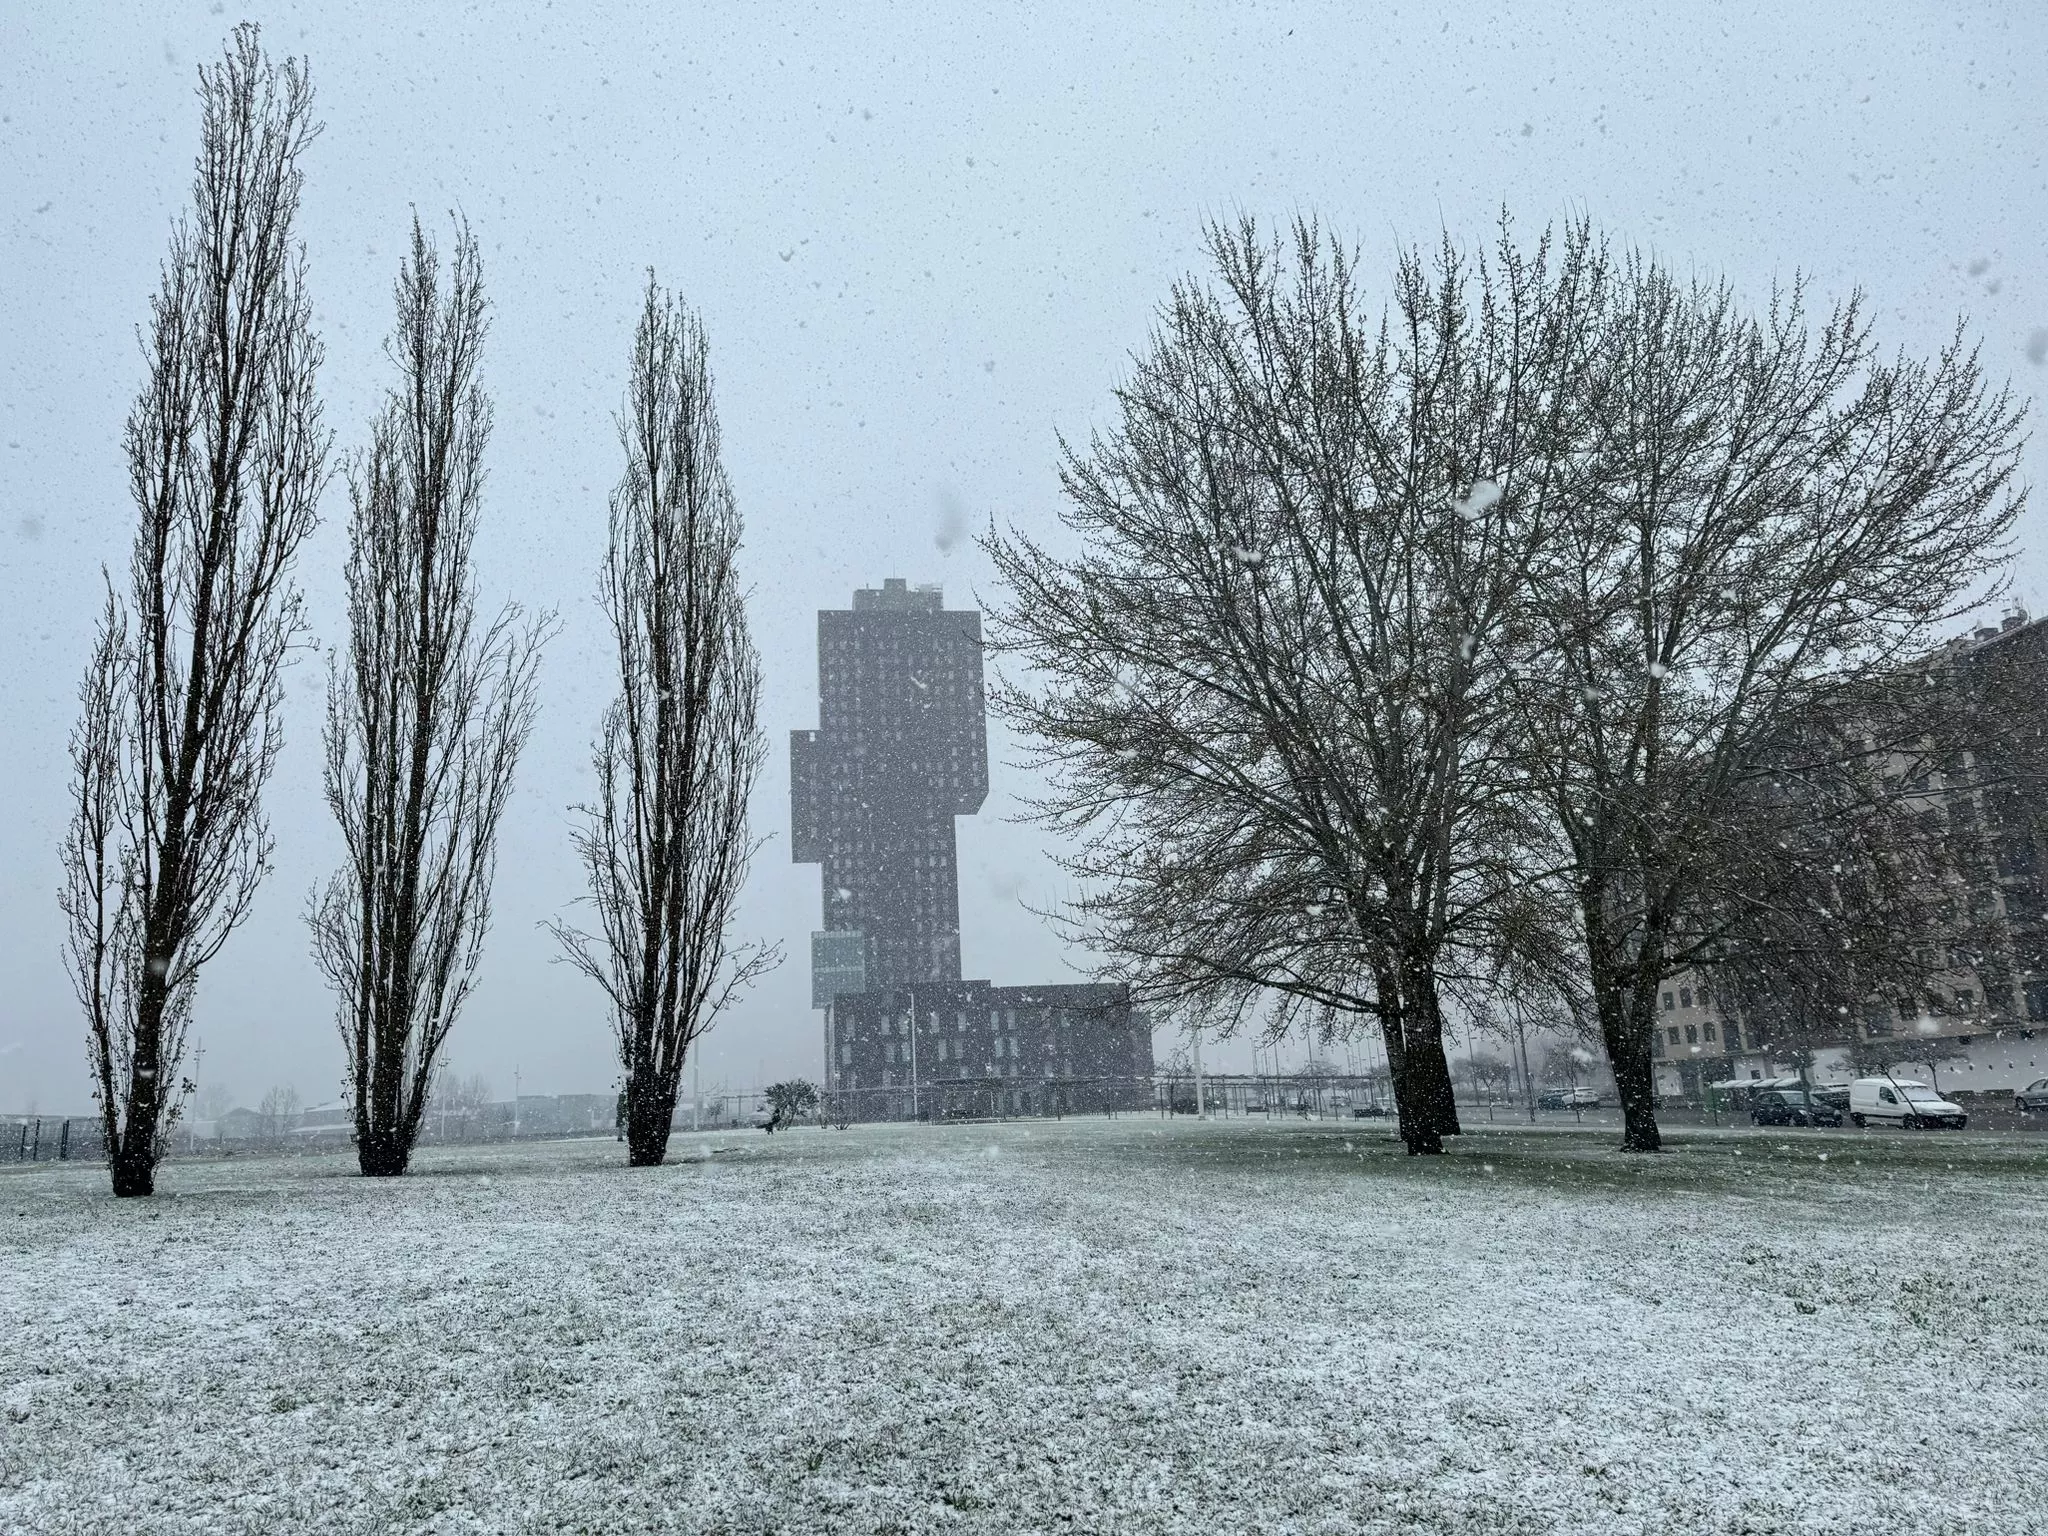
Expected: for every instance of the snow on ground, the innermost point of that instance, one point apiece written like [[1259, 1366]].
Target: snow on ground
[[1091, 1325]]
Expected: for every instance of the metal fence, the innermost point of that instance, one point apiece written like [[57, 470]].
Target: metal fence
[[50, 1139], [31, 1138], [1243, 1095]]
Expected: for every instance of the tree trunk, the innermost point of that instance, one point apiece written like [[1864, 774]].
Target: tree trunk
[[133, 1174], [649, 1118], [1421, 1126], [384, 1153], [1418, 1134], [133, 1161], [384, 1150], [1628, 1052], [1626, 1019], [1428, 1067]]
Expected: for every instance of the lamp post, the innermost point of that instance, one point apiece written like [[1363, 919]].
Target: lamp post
[[1201, 1103], [1528, 1083], [912, 990]]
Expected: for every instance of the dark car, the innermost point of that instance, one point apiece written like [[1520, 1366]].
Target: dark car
[[2032, 1099], [1791, 1106]]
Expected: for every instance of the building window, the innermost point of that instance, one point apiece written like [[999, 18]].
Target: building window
[[1674, 1031], [1707, 1031], [1667, 1002], [1685, 997], [1692, 1035]]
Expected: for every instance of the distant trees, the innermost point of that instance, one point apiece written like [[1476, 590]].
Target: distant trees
[[459, 1099], [1542, 628], [1485, 1072], [425, 717], [179, 725], [278, 1114], [790, 1101], [1566, 1066], [664, 840]]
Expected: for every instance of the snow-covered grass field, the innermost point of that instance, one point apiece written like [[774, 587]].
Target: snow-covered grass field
[[1090, 1325]]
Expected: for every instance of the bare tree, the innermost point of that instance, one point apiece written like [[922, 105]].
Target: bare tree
[[665, 840], [180, 724], [1882, 1057], [1767, 521], [213, 1100], [1566, 1066], [425, 719], [460, 1099], [279, 1114], [1485, 1072], [1832, 886], [1270, 689]]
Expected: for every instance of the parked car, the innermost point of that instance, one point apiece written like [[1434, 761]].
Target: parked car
[[1834, 1095], [1791, 1106], [1903, 1102], [1568, 1098], [2032, 1099]]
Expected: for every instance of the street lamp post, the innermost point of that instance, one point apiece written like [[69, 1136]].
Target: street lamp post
[[913, 1051]]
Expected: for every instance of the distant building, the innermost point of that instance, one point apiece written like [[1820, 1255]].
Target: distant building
[[1981, 1020], [901, 749], [1698, 1041], [979, 1049]]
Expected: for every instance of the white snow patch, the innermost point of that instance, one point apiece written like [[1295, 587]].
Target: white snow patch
[[1119, 1325]]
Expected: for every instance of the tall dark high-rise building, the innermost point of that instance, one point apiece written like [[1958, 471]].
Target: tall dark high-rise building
[[900, 750]]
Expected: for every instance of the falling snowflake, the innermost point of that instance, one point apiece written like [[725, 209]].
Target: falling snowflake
[[1484, 493]]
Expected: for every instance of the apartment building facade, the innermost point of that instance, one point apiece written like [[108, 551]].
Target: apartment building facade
[[1980, 1019]]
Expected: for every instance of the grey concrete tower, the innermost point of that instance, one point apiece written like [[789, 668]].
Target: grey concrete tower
[[900, 750]]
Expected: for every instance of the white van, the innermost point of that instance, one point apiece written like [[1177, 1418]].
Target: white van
[[1901, 1101]]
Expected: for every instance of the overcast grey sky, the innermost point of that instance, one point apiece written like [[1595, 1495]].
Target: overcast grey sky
[[924, 243]]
